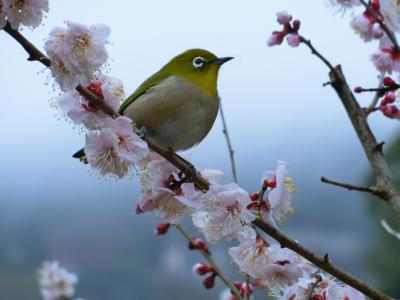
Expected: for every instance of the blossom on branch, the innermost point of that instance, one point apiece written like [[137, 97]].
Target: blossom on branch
[[79, 109], [56, 282], [290, 30], [77, 53], [115, 148], [27, 12]]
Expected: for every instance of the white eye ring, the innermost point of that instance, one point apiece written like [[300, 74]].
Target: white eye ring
[[198, 62]]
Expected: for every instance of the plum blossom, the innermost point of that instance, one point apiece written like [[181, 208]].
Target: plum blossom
[[290, 30], [390, 11], [221, 213], [253, 254], [115, 148], [387, 58], [281, 188], [348, 293], [26, 12], [365, 25], [79, 109], [345, 3], [77, 53], [161, 187], [55, 282]]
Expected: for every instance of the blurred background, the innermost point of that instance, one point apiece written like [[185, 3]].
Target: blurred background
[[51, 207]]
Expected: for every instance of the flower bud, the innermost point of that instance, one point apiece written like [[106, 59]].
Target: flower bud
[[246, 289], [388, 81], [138, 209], [375, 5], [390, 97], [198, 244], [254, 196], [294, 39], [209, 281], [202, 269], [296, 25], [162, 228], [270, 182], [276, 38], [377, 31], [283, 17], [358, 89]]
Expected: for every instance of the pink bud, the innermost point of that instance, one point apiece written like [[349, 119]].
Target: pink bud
[[202, 269], [198, 244], [254, 196], [283, 17], [375, 5], [270, 182], [296, 25], [276, 38], [246, 289], [209, 281], [294, 39], [388, 81], [390, 97], [358, 89], [162, 228]]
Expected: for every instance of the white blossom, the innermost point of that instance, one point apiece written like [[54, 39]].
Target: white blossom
[[115, 148], [77, 53], [27, 12], [223, 212], [56, 282], [390, 10]]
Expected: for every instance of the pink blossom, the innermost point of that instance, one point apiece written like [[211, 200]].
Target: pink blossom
[[391, 111], [280, 194], [115, 148], [78, 108], [364, 25], [387, 58], [283, 18], [390, 11], [276, 38], [202, 269], [348, 293], [161, 188], [294, 39], [26, 12]]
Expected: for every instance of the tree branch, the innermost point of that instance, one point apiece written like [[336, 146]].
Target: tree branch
[[372, 149], [369, 189], [320, 261], [203, 184], [228, 142], [210, 259]]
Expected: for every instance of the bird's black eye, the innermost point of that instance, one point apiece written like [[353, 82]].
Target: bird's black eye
[[198, 62]]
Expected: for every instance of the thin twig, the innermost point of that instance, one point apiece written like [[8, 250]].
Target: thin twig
[[385, 28], [203, 184], [318, 279], [210, 259], [372, 107], [361, 188], [228, 142], [319, 55]]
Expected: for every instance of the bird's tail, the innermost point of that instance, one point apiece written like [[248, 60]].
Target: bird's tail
[[81, 155]]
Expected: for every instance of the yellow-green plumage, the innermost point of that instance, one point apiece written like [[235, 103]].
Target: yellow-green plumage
[[178, 104]]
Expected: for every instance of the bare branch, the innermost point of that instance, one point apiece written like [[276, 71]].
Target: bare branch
[[319, 55], [361, 188], [210, 259], [204, 185], [228, 142]]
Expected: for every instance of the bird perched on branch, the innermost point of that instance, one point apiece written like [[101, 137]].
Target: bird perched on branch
[[178, 105]]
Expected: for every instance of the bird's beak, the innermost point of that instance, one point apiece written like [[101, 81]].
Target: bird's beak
[[221, 60]]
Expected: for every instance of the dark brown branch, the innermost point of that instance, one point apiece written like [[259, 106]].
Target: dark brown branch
[[385, 28], [210, 259], [373, 151], [228, 142], [361, 188], [203, 184], [320, 261]]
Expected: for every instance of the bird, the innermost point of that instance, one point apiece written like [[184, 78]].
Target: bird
[[177, 106]]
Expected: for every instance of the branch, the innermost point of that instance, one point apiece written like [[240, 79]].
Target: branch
[[385, 28], [209, 258], [315, 52], [372, 107], [369, 189], [228, 142], [372, 149], [203, 184], [322, 262]]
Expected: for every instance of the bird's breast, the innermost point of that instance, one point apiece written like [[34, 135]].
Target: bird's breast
[[175, 112]]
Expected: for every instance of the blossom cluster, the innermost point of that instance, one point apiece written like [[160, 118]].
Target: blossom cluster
[[55, 282], [26, 12]]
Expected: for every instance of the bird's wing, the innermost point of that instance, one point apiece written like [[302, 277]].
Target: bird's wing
[[143, 88]]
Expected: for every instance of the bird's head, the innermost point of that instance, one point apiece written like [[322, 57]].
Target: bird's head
[[199, 66]]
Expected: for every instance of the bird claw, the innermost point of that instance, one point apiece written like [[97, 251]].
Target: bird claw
[[188, 174], [142, 132]]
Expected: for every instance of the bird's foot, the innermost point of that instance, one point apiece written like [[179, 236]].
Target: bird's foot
[[142, 132]]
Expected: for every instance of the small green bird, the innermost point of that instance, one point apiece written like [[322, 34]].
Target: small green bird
[[179, 104]]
